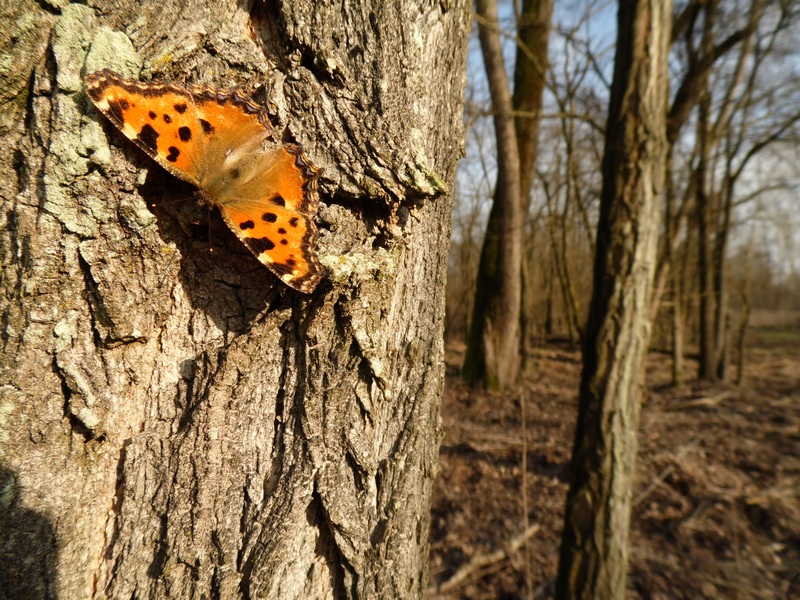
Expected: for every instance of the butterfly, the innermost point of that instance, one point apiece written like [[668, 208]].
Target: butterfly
[[224, 144]]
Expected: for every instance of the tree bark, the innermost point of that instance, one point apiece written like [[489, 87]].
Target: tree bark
[[176, 423], [492, 355], [594, 545], [530, 79], [704, 206]]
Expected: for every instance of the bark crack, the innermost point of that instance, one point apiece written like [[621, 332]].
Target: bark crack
[[114, 515], [329, 549], [75, 422]]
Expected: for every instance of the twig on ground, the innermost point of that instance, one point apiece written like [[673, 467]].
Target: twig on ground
[[480, 561], [665, 472], [705, 402]]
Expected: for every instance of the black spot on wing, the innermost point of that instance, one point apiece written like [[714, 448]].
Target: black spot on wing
[[152, 115], [282, 268], [185, 134], [259, 245], [115, 108], [167, 118], [281, 230], [293, 221], [247, 225], [174, 153], [148, 137], [276, 199], [180, 107], [291, 262], [95, 88], [235, 173], [269, 217], [284, 242], [207, 127]]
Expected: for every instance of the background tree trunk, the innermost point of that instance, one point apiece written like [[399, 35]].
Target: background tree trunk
[[530, 78], [594, 545], [497, 322], [493, 345], [707, 368], [177, 423]]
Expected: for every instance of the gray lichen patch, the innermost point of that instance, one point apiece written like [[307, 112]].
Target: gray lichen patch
[[108, 50], [23, 40], [10, 400], [75, 141], [112, 50], [94, 141], [71, 36], [65, 331], [363, 266], [423, 178], [67, 158]]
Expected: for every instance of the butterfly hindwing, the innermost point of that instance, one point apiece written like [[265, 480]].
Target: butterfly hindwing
[[223, 143], [279, 238], [279, 227]]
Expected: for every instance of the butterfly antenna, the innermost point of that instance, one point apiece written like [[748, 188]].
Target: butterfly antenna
[[210, 245], [174, 201]]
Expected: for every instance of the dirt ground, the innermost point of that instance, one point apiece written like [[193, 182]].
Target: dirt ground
[[717, 496]]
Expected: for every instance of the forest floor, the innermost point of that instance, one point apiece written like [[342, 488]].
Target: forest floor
[[717, 490]]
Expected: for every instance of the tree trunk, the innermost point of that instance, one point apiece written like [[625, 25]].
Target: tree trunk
[[594, 545], [671, 226], [530, 78], [741, 333], [677, 341], [549, 291], [707, 365], [491, 357], [178, 423], [679, 277]]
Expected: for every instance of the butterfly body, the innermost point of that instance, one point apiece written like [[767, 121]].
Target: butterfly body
[[223, 144]]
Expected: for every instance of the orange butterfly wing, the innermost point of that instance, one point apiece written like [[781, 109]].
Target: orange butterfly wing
[[223, 143]]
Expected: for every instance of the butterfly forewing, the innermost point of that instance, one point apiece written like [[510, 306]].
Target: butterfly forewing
[[159, 118]]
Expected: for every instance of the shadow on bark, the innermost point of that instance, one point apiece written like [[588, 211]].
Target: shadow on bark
[[217, 273], [28, 552]]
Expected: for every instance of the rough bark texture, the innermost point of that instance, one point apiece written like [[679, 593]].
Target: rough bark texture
[[594, 545], [176, 423]]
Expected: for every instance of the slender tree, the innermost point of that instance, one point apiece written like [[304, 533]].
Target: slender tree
[[493, 345], [530, 80], [594, 546], [742, 110]]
